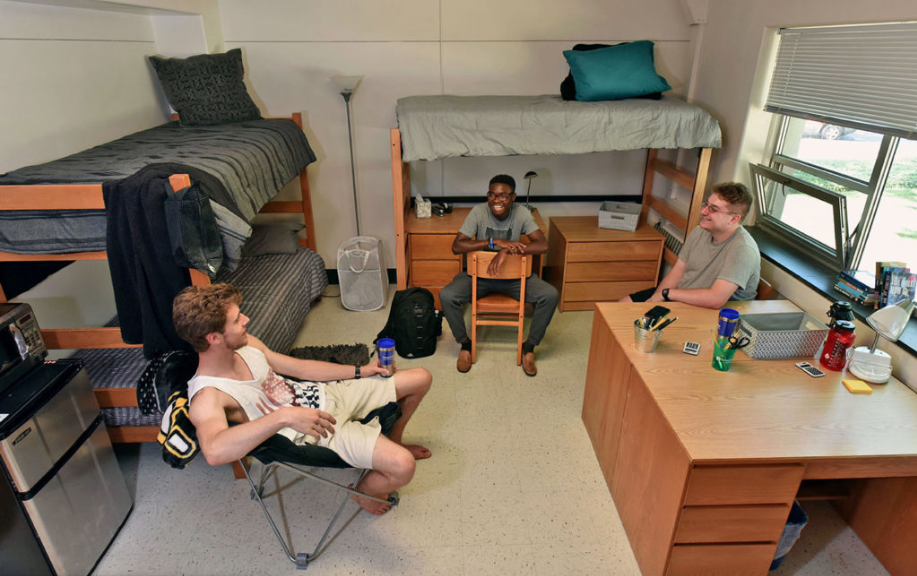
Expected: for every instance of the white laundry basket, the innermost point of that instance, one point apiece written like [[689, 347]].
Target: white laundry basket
[[362, 274]]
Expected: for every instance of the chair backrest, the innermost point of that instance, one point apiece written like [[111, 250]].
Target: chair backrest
[[515, 266], [766, 291]]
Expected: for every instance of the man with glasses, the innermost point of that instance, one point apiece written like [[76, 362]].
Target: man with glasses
[[719, 261], [497, 227]]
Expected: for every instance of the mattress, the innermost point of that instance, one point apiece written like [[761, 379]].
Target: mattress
[[435, 127], [246, 164], [277, 293]]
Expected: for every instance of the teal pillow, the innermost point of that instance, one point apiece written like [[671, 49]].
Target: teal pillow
[[616, 72]]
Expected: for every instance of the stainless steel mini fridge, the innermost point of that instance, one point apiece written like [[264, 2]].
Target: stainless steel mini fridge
[[64, 490]]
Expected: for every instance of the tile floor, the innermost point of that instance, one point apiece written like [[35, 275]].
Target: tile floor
[[513, 486]]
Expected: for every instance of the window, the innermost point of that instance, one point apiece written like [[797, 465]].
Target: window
[[842, 178]]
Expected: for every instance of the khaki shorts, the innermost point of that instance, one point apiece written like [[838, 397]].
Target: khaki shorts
[[349, 401]]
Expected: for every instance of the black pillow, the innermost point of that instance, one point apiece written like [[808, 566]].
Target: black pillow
[[206, 89], [273, 238], [568, 86]]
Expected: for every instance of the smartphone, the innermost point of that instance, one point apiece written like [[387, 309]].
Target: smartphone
[[657, 312], [810, 370]]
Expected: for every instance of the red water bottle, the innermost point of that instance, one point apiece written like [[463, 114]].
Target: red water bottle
[[839, 341]]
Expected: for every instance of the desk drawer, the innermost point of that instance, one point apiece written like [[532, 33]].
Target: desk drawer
[[612, 271], [434, 272], [613, 251], [433, 247], [602, 291], [711, 524], [721, 560], [719, 485]]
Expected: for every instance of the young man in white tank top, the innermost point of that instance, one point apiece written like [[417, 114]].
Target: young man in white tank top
[[237, 381]]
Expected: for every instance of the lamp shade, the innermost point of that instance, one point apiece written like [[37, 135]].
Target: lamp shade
[[346, 84], [890, 322]]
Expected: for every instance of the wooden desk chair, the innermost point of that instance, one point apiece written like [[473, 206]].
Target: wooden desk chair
[[498, 309], [766, 291]]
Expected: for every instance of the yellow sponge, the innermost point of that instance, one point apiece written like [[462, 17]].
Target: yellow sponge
[[857, 387]]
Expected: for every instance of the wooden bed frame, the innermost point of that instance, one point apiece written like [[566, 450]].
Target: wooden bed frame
[[695, 183], [89, 197]]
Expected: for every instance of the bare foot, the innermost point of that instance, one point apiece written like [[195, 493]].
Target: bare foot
[[371, 506], [419, 452]]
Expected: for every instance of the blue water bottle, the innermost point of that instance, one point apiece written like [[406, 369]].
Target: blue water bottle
[[386, 350]]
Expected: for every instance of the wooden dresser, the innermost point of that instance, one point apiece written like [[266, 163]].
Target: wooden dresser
[[430, 261], [588, 264]]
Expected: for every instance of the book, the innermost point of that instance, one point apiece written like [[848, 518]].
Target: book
[[860, 279], [901, 286], [882, 297], [857, 291], [881, 267]]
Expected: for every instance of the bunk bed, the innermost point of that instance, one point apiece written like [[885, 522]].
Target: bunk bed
[[437, 127], [64, 200]]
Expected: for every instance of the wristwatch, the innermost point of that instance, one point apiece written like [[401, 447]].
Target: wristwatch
[[665, 294], [356, 371]]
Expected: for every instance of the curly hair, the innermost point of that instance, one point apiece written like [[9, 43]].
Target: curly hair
[[504, 179], [736, 194], [201, 310]]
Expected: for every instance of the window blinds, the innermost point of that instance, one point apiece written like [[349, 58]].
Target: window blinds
[[859, 76]]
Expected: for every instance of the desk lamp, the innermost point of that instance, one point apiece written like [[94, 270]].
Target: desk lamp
[[869, 364], [528, 176], [346, 85]]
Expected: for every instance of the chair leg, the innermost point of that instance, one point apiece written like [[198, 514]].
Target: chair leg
[[474, 337]]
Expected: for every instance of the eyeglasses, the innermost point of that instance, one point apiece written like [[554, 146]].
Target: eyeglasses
[[714, 209], [500, 197]]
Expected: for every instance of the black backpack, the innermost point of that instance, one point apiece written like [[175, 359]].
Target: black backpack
[[414, 323]]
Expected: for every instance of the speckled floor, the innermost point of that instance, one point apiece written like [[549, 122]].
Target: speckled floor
[[513, 486]]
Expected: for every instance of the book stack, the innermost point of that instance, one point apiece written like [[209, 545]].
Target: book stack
[[857, 285], [894, 283]]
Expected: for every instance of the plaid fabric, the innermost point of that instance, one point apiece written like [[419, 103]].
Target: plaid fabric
[[277, 290]]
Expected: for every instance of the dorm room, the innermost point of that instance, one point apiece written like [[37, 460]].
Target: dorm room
[[522, 479]]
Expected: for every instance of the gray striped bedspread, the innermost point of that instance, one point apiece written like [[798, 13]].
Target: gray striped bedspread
[[277, 294], [251, 160]]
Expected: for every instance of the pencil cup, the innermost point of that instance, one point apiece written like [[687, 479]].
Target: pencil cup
[[645, 340], [386, 349], [722, 356]]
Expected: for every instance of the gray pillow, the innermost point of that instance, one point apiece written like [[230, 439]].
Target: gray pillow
[[206, 89], [274, 238]]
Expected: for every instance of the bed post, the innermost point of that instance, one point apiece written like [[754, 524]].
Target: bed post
[[306, 194], [700, 184], [401, 192]]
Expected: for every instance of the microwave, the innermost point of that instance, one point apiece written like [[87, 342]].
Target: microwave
[[21, 345]]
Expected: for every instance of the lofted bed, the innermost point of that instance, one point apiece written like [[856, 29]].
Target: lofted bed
[[56, 211], [437, 127]]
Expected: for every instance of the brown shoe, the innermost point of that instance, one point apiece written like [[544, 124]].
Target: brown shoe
[[464, 361], [528, 364]]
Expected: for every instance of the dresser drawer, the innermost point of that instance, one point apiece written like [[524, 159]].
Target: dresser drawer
[[721, 560], [433, 247], [719, 485], [612, 271], [612, 251], [602, 291], [711, 524], [434, 272]]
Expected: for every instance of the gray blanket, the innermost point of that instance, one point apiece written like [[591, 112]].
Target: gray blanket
[[434, 127], [251, 160]]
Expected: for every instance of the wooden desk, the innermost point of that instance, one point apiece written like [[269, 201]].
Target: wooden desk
[[704, 465], [430, 261], [588, 264]]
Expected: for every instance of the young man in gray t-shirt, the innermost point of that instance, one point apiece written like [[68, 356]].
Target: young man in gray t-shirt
[[497, 226], [719, 261]]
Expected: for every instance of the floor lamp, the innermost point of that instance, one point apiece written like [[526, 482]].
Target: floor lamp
[[346, 85]]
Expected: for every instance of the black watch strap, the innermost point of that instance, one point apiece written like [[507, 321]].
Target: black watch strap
[[356, 372], [665, 294]]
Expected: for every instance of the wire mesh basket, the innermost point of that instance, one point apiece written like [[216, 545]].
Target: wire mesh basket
[[619, 215]]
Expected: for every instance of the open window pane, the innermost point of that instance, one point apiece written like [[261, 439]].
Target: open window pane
[[810, 216], [894, 233], [851, 153]]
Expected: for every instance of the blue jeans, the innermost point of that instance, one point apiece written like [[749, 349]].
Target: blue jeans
[[537, 291]]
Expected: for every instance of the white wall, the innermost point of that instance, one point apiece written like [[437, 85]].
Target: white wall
[[734, 64], [408, 47]]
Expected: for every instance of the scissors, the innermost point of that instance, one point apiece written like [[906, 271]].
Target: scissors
[[738, 342]]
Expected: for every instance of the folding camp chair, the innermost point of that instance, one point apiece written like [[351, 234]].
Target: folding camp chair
[[279, 452]]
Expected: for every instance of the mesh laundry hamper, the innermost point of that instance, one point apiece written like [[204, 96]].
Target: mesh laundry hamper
[[362, 274]]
